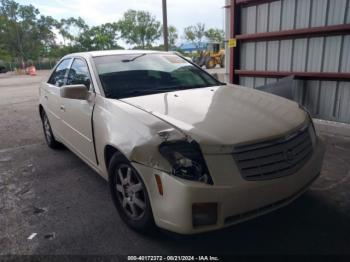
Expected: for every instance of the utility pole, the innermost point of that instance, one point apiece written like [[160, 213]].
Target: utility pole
[[165, 26]]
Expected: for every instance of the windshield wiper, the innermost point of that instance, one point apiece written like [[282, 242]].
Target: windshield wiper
[[166, 90], [150, 91], [133, 59]]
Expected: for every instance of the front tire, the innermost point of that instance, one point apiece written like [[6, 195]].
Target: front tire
[[210, 64], [129, 194], [49, 137]]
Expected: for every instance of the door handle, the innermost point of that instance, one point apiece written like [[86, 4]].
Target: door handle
[[46, 97], [63, 108]]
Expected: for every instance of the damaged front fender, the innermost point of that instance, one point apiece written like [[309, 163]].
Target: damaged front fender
[[148, 153], [133, 132]]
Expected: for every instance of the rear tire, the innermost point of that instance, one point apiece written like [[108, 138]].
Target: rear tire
[[49, 137], [129, 195]]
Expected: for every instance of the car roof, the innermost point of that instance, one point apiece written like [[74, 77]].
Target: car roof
[[112, 52]]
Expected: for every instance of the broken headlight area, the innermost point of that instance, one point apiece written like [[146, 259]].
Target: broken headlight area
[[186, 160]]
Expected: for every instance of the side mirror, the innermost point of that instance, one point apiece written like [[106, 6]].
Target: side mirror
[[79, 92]]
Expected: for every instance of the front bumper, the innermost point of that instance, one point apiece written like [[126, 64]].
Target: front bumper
[[237, 199]]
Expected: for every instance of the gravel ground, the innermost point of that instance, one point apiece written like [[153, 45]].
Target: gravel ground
[[55, 195]]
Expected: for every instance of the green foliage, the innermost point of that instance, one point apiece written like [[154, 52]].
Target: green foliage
[[172, 36], [103, 37], [215, 35], [195, 33], [4, 54], [70, 29], [79, 37], [58, 51], [24, 33], [139, 28], [27, 35]]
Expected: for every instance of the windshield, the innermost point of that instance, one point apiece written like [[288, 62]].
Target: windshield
[[140, 74]]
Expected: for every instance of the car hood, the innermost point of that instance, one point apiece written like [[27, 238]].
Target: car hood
[[224, 115]]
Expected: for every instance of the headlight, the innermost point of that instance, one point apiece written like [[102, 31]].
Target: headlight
[[186, 160]]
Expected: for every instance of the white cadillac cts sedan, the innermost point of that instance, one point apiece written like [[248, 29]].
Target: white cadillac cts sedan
[[179, 149]]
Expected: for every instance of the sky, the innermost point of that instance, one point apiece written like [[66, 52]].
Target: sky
[[181, 13]]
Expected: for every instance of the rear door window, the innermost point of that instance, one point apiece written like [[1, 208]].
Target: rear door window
[[58, 76]]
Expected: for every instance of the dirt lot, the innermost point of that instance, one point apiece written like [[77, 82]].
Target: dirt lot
[[57, 196]]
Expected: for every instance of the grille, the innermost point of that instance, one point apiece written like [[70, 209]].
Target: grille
[[275, 158]]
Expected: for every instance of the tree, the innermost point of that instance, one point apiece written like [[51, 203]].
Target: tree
[[215, 35], [4, 53], [70, 29], [172, 35], [139, 28], [195, 34], [102, 37], [24, 33]]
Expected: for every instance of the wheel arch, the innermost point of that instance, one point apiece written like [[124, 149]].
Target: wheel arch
[[109, 152]]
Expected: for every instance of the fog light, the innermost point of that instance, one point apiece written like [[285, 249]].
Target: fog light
[[204, 214]]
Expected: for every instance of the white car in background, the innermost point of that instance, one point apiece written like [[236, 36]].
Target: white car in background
[[180, 150]]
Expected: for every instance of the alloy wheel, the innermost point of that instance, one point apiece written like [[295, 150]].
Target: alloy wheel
[[130, 191]]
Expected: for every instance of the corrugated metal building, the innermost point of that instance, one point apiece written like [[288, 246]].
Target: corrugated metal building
[[306, 38]]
